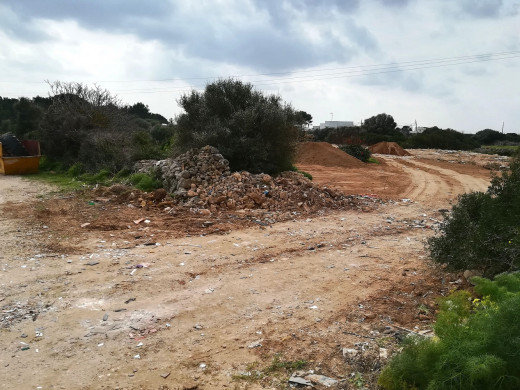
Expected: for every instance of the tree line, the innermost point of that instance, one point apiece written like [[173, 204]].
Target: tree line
[[91, 129]]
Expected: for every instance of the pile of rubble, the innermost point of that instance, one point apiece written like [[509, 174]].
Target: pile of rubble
[[201, 179], [193, 169]]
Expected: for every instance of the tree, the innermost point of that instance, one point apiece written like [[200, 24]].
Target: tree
[[488, 136], [255, 132], [381, 124], [303, 118], [89, 125], [28, 116]]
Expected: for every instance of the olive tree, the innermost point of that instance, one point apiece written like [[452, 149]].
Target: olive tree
[[254, 131]]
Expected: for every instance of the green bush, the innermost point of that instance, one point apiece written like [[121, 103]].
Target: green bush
[[434, 137], [357, 151], [255, 132], [483, 230], [306, 174], [477, 343], [144, 182]]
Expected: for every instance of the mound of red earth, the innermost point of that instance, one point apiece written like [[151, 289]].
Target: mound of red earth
[[388, 148], [324, 154]]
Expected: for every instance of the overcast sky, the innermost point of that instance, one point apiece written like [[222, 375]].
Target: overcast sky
[[447, 63]]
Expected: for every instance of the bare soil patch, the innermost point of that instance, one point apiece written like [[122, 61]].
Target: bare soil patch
[[101, 291]]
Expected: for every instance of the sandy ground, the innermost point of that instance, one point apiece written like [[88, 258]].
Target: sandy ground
[[175, 304]]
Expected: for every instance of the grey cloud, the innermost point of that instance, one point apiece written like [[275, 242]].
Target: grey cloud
[[94, 13], [279, 45], [395, 3], [395, 77], [488, 8], [12, 25]]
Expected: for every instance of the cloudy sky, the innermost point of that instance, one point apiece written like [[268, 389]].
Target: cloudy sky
[[438, 62]]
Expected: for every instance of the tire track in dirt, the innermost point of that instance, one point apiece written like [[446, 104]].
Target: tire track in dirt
[[433, 184], [467, 183], [425, 186]]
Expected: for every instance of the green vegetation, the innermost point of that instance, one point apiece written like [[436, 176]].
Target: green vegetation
[[436, 138], [483, 230], [73, 179], [144, 182], [279, 368], [357, 151], [86, 128], [255, 132], [503, 150], [306, 174], [476, 346]]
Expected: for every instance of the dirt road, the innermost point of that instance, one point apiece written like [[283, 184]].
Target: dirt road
[[184, 311]]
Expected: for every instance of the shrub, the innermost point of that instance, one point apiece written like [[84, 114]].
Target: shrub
[[476, 344], [144, 182], [434, 137], [357, 151], [90, 126], [255, 132], [306, 174], [483, 230]]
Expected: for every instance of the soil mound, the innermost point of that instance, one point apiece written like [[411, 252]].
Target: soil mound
[[388, 148], [323, 153]]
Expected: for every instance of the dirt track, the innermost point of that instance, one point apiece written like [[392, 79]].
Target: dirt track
[[204, 307]]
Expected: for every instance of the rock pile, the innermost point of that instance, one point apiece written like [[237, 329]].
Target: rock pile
[[191, 170], [243, 190], [201, 179]]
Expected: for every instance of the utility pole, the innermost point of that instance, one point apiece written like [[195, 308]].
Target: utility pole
[[502, 127], [331, 116], [416, 126]]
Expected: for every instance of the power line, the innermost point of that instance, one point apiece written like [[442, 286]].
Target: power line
[[353, 73], [318, 74]]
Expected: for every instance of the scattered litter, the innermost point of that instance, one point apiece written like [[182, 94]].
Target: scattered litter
[[322, 380], [133, 271], [255, 344], [202, 365], [209, 290], [105, 317], [137, 356], [165, 375], [85, 224], [300, 381], [100, 344], [314, 307], [130, 300], [93, 262], [349, 352]]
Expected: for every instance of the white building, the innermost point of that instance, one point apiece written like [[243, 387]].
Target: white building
[[334, 124]]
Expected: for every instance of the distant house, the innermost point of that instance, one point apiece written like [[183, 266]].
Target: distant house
[[334, 124]]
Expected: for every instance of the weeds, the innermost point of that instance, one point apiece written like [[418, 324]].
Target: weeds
[[279, 369], [476, 344]]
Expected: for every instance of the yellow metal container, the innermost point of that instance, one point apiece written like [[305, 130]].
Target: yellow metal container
[[22, 164]]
